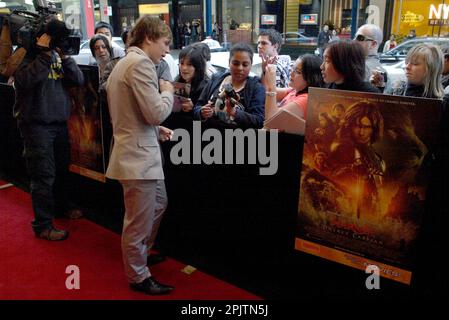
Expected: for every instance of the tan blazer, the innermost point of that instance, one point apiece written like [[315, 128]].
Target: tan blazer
[[136, 108]]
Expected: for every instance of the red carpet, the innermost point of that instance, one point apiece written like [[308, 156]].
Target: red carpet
[[32, 268], [4, 184]]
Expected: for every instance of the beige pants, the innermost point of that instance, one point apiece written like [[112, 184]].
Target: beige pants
[[145, 203]]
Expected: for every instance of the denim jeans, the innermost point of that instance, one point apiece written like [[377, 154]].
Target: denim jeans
[[47, 156]]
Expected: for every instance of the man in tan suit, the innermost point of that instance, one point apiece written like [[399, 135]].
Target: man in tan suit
[[137, 108]]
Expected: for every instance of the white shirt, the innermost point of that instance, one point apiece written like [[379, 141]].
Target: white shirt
[[174, 71], [117, 51]]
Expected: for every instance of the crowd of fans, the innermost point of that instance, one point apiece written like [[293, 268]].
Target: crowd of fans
[[235, 99], [141, 92]]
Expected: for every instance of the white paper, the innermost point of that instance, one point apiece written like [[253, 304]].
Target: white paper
[[286, 121]]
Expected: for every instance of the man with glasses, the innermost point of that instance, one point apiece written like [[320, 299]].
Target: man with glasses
[[370, 37]]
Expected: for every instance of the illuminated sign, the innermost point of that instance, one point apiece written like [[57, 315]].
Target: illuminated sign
[[441, 13], [440, 16], [411, 17], [309, 19], [268, 19], [157, 8]]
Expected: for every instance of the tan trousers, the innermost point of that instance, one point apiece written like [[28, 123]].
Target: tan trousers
[[145, 203]]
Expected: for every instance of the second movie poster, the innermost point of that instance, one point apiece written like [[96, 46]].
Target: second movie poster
[[364, 178], [86, 128]]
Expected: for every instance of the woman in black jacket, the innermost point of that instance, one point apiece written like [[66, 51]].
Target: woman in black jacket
[[192, 72], [343, 67], [423, 69], [188, 87], [246, 107]]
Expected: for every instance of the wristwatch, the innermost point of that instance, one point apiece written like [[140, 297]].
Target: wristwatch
[[270, 93]]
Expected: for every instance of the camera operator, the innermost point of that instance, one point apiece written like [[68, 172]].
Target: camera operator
[[42, 109]]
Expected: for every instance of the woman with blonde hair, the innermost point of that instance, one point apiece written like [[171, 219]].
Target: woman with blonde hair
[[423, 69]]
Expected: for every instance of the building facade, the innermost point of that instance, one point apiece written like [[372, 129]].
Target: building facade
[[427, 18], [341, 15], [241, 20]]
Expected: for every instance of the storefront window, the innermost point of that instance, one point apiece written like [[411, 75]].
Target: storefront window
[[238, 20], [156, 10], [428, 18], [238, 14], [339, 14]]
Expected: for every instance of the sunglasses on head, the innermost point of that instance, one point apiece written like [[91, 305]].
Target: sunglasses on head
[[361, 37], [446, 56]]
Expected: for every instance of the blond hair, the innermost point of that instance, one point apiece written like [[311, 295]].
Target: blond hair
[[433, 60], [149, 27]]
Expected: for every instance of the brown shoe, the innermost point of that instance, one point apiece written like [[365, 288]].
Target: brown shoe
[[74, 214], [53, 234]]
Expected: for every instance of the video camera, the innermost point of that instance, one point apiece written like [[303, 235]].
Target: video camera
[[229, 93], [25, 27]]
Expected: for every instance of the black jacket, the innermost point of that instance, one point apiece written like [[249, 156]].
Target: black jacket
[[254, 97], [355, 86], [40, 85], [195, 91]]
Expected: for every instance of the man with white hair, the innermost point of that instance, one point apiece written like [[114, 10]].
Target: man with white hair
[[370, 37]]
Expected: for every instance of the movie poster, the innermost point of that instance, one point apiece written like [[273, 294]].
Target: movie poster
[[86, 127], [364, 178]]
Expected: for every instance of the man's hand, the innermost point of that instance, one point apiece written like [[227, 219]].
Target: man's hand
[[377, 78], [166, 86], [43, 42], [269, 80], [62, 55], [266, 60], [165, 134]]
